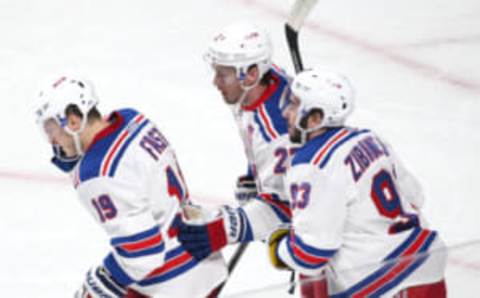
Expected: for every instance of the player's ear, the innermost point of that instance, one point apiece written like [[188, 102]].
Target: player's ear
[[252, 75], [74, 122], [315, 118]]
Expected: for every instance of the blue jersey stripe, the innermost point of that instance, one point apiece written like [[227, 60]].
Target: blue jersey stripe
[[136, 237], [301, 262], [116, 271], [417, 263], [174, 252], [170, 274], [340, 143], [273, 106], [140, 253], [174, 271], [264, 134], [275, 204], [246, 234], [124, 147], [92, 160], [308, 151], [324, 253], [390, 262], [402, 247]]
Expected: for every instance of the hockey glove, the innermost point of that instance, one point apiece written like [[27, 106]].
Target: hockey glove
[[201, 240], [246, 189], [100, 283], [273, 243]]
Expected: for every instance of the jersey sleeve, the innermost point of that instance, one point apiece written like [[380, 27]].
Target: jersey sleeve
[[262, 215], [409, 187], [319, 202]]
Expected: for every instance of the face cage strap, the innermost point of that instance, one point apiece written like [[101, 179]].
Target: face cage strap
[[76, 135], [305, 131]]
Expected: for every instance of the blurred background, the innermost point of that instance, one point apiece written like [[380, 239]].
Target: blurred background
[[415, 66]]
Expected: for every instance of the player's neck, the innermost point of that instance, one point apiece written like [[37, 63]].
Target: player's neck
[[91, 130], [254, 94], [316, 133]]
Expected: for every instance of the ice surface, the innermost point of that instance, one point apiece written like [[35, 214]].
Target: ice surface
[[415, 65]]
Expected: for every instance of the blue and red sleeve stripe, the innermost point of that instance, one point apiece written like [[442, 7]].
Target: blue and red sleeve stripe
[[306, 255], [117, 272], [281, 208], [116, 151], [398, 265], [177, 261], [323, 155], [141, 244]]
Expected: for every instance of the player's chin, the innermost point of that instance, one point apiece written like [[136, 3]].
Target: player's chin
[[229, 99], [295, 135]]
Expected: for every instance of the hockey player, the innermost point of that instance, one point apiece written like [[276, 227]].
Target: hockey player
[[355, 207], [128, 179], [257, 91]]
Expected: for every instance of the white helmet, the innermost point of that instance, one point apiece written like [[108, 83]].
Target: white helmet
[[241, 45], [57, 95], [328, 91]]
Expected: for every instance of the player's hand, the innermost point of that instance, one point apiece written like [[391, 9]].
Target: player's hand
[[100, 283], [404, 222], [273, 243], [246, 189], [201, 240]]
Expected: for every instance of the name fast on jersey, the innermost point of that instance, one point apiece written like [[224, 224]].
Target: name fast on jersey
[[154, 143], [363, 154]]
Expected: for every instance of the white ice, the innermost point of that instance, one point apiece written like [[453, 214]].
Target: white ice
[[415, 65]]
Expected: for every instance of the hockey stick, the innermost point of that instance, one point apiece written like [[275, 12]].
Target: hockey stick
[[232, 263], [298, 14]]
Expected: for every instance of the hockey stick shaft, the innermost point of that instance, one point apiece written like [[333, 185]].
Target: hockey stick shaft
[[296, 18], [231, 265]]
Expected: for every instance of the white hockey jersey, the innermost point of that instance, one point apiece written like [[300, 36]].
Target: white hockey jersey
[[355, 209], [267, 147], [131, 184]]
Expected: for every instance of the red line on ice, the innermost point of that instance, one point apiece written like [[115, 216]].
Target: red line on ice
[[53, 179]]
